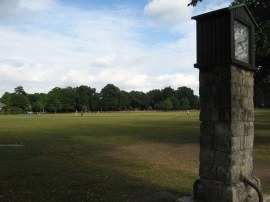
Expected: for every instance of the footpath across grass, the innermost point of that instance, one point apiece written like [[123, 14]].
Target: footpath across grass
[[105, 156]]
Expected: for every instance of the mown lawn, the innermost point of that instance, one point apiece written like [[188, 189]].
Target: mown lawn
[[74, 158]]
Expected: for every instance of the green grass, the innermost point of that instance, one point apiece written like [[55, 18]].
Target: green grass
[[63, 157]]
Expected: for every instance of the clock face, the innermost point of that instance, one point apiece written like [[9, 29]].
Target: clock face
[[241, 42]]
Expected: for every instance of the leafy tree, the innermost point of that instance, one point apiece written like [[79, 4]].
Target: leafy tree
[[95, 101], [55, 100], [194, 2], [6, 99], [124, 102], [38, 101], [145, 102], [175, 103], [155, 97], [19, 90], [168, 92], [138, 100], [68, 99], [110, 98], [184, 104], [185, 92], [135, 99], [86, 98], [166, 104], [195, 103], [19, 99]]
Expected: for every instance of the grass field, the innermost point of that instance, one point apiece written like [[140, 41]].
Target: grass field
[[108, 156]]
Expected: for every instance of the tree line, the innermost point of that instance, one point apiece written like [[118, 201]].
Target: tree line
[[110, 98]]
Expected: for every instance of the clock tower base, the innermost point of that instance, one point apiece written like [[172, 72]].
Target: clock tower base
[[226, 135]]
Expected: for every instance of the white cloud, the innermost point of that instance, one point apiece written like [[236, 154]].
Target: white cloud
[[104, 61], [36, 5], [66, 46], [10, 9], [20, 9], [169, 10], [130, 79]]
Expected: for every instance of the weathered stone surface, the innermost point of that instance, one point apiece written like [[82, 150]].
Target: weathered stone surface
[[207, 128], [222, 129], [237, 128], [227, 135], [206, 142], [205, 115], [207, 102]]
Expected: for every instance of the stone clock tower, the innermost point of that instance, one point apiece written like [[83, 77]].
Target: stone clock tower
[[225, 59]]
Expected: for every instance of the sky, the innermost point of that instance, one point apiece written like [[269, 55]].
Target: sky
[[134, 44]]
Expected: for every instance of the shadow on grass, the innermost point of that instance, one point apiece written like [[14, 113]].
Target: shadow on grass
[[83, 174], [63, 158]]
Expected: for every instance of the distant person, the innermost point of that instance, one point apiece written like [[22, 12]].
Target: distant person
[[187, 112], [76, 112]]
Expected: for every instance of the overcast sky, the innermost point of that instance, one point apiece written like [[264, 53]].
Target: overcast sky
[[133, 44]]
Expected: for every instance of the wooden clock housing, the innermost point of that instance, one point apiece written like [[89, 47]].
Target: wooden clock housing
[[215, 37]]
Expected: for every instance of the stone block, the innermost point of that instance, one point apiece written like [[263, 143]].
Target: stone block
[[233, 89], [251, 80], [251, 104], [235, 114], [235, 143], [207, 102], [236, 157], [206, 142], [224, 90], [238, 191], [215, 115], [248, 79], [223, 174], [224, 115], [248, 128], [246, 169], [222, 101], [208, 172], [222, 143], [236, 102], [245, 103], [249, 141], [207, 128], [244, 91], [205, 115], [242, 142], [222, 129], [228, 175], [245, 115], [250, 92], [235, 174], [237, 128], [223, 159], [236, 78], [207, 156]]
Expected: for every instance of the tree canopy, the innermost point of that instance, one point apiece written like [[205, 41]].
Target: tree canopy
[[110, 98]]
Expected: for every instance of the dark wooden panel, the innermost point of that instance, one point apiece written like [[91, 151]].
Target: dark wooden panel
[[215, 36]]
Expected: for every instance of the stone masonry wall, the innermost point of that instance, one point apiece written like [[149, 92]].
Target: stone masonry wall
[[226, 135]]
